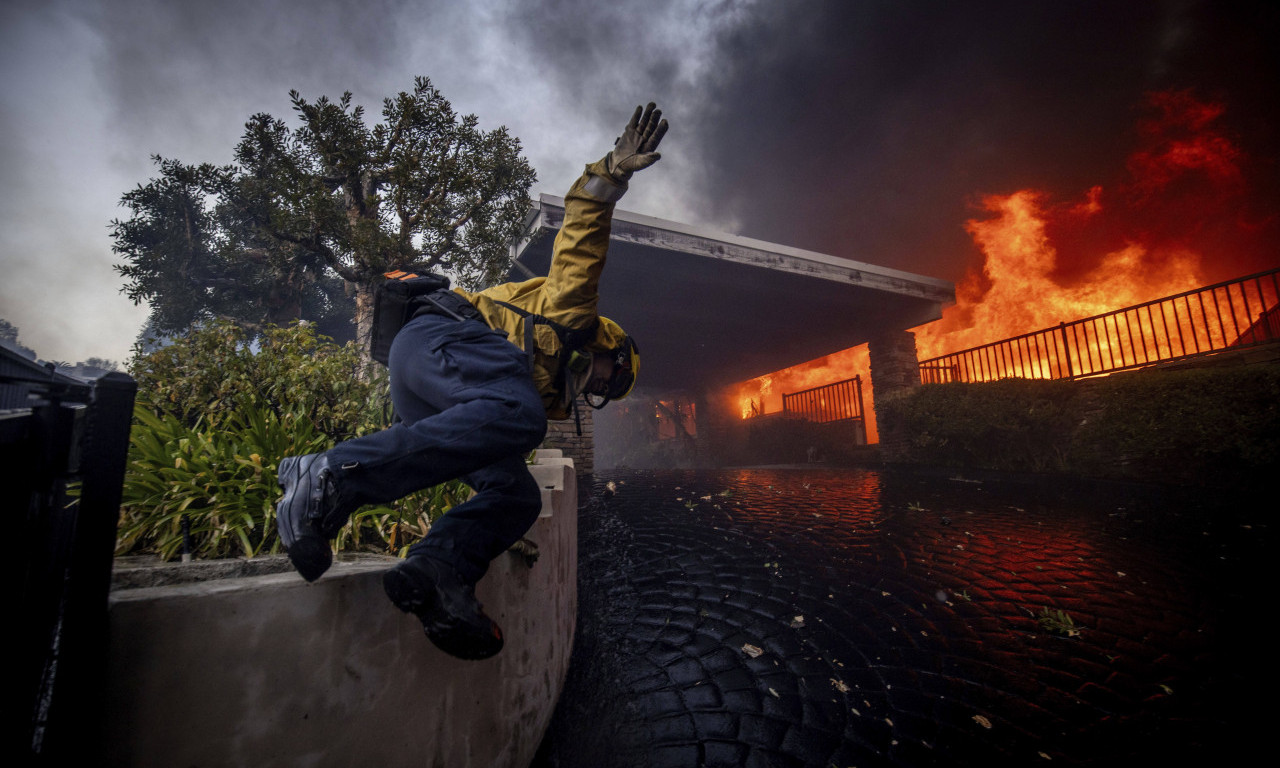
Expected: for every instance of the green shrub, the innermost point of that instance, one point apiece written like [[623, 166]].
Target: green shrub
[[393, 528], [220, 476], [212, 421], [216, 370], [1015, 424], [1218, 425]]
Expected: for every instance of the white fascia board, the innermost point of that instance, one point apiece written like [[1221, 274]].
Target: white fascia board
[[548, 214]]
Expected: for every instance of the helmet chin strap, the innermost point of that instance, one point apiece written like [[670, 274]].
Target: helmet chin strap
[[579, 371], [588, 399]]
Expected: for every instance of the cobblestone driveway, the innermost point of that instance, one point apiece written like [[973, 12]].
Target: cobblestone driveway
[[865, 618]]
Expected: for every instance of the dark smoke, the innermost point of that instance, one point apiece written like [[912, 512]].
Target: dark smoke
[[871, 129], [867, 130]]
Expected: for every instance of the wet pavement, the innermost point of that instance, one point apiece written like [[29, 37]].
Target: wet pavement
[[873, 618]]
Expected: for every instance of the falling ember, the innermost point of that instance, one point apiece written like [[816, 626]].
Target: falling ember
[[1180, 137]]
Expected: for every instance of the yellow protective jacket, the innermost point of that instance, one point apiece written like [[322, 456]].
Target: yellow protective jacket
[[569, 293]]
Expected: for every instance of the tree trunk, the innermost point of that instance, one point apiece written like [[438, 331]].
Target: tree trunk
[[364, 320]]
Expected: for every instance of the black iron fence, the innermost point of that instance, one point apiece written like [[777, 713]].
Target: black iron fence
[[63, 446], [1235, 314], [840, 401]]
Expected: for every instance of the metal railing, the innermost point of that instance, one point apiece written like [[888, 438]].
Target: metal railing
[[1238, 313], [840, 401], [63, 446]]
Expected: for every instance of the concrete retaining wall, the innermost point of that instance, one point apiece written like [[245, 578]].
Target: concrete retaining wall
[[272, 671]]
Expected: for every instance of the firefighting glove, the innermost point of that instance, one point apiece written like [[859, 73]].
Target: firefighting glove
[[636, 148]]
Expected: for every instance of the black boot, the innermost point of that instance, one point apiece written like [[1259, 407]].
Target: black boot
[[452, 617], [309, 514]]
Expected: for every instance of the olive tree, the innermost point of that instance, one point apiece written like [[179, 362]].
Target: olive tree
[[308, 218]]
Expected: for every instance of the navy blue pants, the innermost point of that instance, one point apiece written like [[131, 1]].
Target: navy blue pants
[[469, 410]]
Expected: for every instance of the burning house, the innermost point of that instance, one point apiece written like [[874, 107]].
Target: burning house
[[745, 339], [1179, 215]]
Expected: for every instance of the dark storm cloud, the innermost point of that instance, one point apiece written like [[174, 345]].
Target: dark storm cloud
[[870, 129], [604, 56]]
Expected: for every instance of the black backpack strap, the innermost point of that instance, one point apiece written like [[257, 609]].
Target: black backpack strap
[[571, 338], [447, 303], [529, 346]]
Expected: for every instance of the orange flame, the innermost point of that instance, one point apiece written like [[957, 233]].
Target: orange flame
[[1136, 241], [763, 394], [1021, 293]]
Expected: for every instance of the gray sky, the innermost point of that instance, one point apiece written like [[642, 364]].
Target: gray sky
[[862, 129]]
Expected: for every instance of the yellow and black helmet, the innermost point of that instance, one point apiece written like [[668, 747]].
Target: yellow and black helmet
[[614, 342]]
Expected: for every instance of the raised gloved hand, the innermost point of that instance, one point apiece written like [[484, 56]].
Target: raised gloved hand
[[636, 148]]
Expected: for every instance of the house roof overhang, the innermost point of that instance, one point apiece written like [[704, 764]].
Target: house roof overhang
[[709, 309]]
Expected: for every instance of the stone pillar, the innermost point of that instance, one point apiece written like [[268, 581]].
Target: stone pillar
[[564, 436], [894, 372], [704, 421], [721, 430]]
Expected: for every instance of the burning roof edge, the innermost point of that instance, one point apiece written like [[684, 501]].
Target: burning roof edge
[[547, 215]]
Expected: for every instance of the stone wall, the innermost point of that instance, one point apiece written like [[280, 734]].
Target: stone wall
[[563, 436]]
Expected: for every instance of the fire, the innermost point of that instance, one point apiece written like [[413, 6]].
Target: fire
[[1017, 291], [764, 394], [1139, 239], [1181, 137], [1177, 218]]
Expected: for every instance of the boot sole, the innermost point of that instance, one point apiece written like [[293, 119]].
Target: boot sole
[[311, 557], [470, 643]]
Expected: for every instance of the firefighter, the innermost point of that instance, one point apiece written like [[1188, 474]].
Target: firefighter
[[474, 378]]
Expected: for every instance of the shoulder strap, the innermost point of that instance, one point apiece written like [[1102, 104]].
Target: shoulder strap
[[571, 338]]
